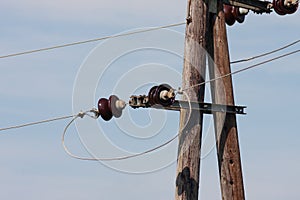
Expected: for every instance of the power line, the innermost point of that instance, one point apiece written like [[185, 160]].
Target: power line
[[108, 158], [121, 157], [96, 114], [265, 54], [243, 69], [80, 114], [211, 80], [36, 123], [92, 40]]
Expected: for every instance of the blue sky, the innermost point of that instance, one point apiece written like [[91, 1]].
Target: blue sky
[[38, 86]]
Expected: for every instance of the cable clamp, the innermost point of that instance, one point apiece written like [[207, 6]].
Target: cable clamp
[[81, 114], [180, 91], [95, 112]]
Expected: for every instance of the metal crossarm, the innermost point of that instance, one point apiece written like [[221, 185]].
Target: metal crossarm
[[206, 108], [142, 101], [255, 5]]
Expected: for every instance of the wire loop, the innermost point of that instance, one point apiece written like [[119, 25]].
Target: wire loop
[[87, 113]]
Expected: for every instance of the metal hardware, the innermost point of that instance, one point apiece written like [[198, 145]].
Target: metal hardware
[[142, 101], [256, 6]]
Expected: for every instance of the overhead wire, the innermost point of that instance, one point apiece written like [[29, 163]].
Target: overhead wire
[[92, 40], [96, 114], [121, 157], [80, 114], [108, 158], [36, 123], [265, 54], [243, 69], [137, 32]]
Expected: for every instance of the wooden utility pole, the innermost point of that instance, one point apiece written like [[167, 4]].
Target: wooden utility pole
[[188, 160], [229, 161], [206, 30]]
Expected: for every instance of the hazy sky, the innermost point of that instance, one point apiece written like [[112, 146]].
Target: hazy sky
[[38, 86]]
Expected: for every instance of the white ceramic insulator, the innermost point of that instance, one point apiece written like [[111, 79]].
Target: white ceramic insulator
[[120, 104], [243, 11], [164, 95]]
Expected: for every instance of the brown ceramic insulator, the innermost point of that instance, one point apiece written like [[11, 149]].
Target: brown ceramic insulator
[[104, 109], [294, 9], [278, 8], [112, 106], [157, 97], [229, 17], [240, 19], [281, 9], [237, 15], [291, 9], [288, 10], [151, 95]]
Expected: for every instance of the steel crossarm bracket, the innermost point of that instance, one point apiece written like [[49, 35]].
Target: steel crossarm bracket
[[206, 108], [256, 6]]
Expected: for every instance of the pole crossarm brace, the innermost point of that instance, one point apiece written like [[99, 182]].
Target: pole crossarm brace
[[256, 6], [207, 108]]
